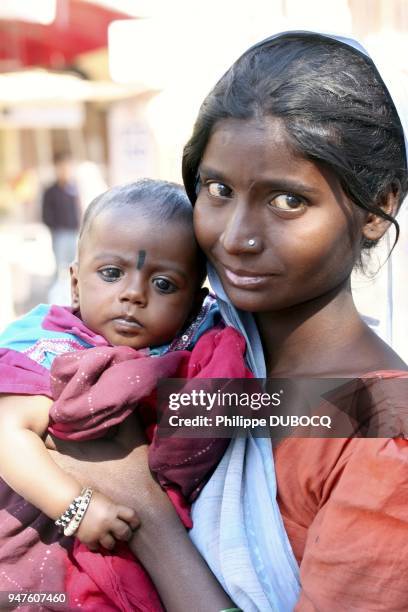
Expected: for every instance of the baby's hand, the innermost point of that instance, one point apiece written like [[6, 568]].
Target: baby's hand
[[105, 522]]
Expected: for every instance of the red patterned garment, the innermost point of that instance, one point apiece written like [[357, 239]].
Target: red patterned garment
[[96, 389]]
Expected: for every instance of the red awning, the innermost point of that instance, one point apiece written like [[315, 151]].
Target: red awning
[[79, 27]]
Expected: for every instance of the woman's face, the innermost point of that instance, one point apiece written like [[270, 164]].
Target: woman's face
[[278, 228]]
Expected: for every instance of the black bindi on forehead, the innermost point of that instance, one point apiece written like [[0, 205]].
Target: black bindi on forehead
[[141, 259]]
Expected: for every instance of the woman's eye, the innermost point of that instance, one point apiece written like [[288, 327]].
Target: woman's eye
[[218, 190], [110, 274], [288, 202], [164, 286]]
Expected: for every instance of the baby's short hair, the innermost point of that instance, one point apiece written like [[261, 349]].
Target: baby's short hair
[[163, 201], [166, 202]]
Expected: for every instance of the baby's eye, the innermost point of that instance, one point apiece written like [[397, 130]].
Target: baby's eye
[[163, 285], [218, 190], [110, 274], [288, 202]]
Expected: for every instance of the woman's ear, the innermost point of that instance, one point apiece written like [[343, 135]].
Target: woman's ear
[[375, 226], [73, 270]]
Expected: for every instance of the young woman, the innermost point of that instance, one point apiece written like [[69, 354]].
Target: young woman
[[297, 167]]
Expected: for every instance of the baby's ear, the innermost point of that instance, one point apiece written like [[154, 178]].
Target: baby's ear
[[73, 270], [375, 227]]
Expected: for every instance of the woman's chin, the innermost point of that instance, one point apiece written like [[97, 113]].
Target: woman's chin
[[248, 301]]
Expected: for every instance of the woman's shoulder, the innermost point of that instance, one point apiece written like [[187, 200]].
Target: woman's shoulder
[[382, 404], [318, 458], [343, 503], [353, 472], [378, 356]]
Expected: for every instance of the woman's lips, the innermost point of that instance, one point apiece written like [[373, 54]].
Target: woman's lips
[[245, 279]]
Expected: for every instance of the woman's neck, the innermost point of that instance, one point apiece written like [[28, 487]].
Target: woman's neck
[[314, 338]]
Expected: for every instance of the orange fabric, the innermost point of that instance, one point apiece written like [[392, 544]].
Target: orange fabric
[[344, 503]]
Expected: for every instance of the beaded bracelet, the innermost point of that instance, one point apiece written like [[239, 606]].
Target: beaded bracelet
[[65, 518], [75, 522]]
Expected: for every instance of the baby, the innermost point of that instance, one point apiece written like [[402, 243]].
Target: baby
[[136, 284]]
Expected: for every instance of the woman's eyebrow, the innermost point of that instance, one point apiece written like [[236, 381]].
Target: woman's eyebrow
[[277, 184], [288, 185], [212, 174]]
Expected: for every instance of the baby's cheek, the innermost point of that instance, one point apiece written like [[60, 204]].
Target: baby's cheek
[[174, 317]]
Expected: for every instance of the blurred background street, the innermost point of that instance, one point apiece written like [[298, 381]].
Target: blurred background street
[[113, 86]]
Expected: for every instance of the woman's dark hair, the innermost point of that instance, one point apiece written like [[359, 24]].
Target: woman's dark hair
[[333, 104], [161, 201]]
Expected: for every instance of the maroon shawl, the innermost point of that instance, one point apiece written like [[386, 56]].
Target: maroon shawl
[[96, 389]]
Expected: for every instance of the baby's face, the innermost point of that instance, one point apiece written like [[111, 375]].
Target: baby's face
[[136, 282]]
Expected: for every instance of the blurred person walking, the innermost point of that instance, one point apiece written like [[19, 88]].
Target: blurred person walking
[[61, 212]]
